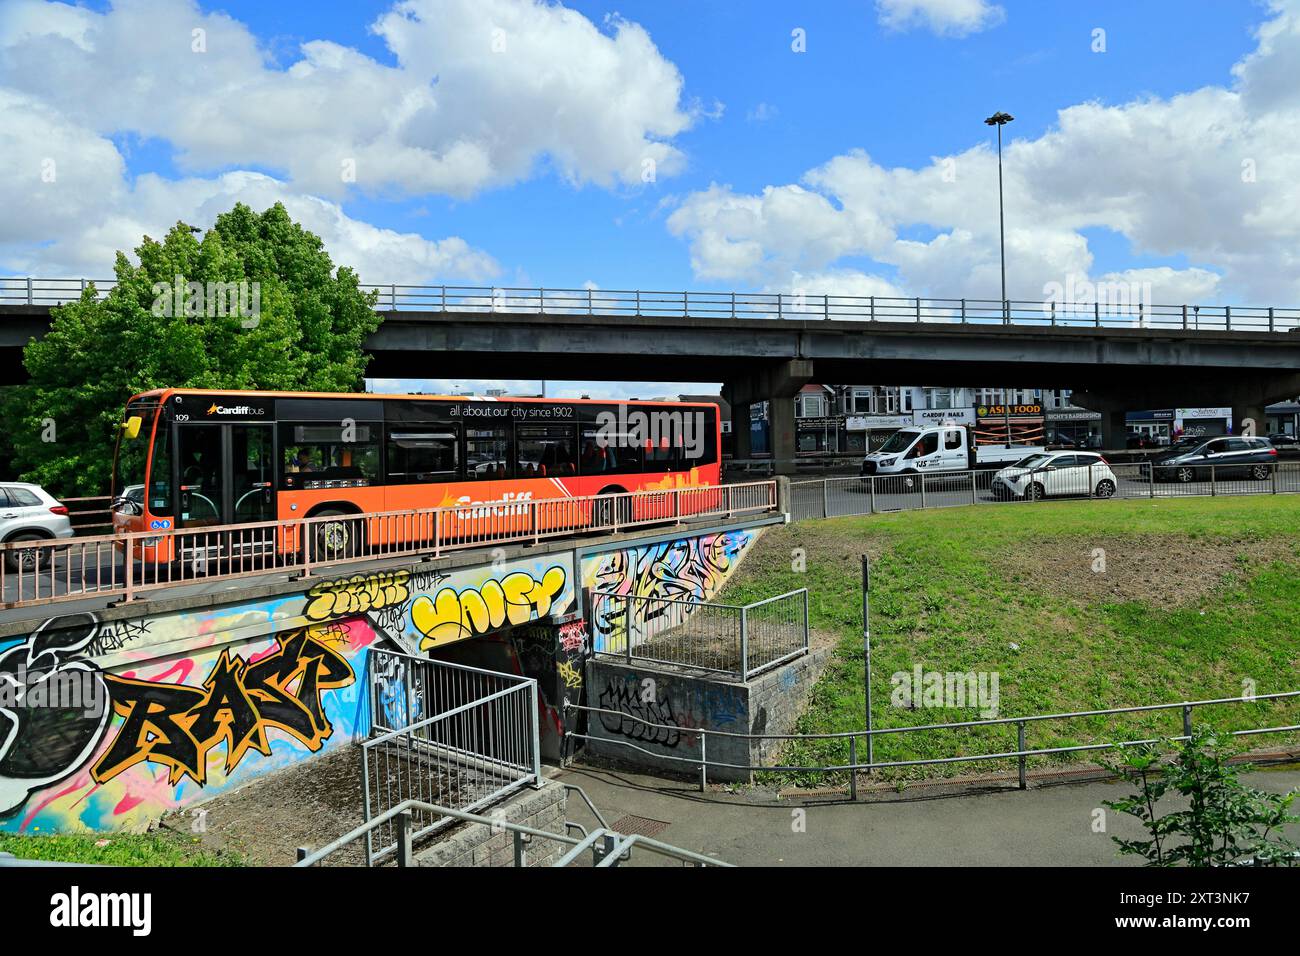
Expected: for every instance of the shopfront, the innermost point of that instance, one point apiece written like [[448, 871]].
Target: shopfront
[[1283, 418], [1077, 427], [818, 436], [1156, 424], [865, 433], [1198, 422]]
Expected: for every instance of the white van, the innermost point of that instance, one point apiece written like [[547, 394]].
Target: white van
[[939, 448]]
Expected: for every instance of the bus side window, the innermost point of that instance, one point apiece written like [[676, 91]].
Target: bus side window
[[545, 451], [422, 453], [486, 454], [315, 452]]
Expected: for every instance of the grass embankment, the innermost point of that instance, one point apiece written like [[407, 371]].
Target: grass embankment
[[162, 848], [1197, 598]]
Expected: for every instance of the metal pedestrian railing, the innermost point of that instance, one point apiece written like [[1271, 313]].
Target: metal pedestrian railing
[[479, 744], [878, 494], [734, 641], [131, 565], [608, 848], [1120, 308], [849, 746]]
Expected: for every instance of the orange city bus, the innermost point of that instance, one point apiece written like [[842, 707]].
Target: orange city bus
[[190, 458]]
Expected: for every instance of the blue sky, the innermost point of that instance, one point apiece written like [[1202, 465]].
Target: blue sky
[[776, 169]]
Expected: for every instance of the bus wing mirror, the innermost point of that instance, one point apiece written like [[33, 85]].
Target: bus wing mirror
[[132, 426]]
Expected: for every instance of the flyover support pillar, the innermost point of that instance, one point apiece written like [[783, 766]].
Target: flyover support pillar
[[777, 385], [742, 445]]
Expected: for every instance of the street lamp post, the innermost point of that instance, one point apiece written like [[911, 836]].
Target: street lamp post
[[1000, 119]]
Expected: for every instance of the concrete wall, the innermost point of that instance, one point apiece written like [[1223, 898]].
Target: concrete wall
[[477, 845], [110, 719], [686, 567], [771, 703], [177, 700]]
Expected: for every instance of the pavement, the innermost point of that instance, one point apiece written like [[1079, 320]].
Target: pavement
[[1051, 824]]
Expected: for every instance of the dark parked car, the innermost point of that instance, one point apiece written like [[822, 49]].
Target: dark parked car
[[1182, 445], [1285, 442], [1229, 457]]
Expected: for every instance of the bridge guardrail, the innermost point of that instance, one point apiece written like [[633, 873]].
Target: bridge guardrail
[[852, 765], [797, 306], [41, 572], [876, 494]]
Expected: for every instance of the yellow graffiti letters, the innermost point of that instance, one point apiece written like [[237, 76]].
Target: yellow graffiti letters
[[571, 676], [358, 594], [516, 599]]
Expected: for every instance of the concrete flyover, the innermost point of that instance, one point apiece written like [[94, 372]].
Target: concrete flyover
[[765, 347]]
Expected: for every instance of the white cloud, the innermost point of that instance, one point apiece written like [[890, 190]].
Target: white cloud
[[482, 93], [69, 206], [1205, 177], [944, 17]]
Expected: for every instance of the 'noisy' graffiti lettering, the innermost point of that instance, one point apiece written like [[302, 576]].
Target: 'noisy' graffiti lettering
[[516, 599]]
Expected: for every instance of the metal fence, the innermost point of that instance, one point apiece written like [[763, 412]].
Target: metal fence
[[608, 848], [468, 737], [1125, 312], [731, 640], [851, 746], [879, 494], [41, 572]]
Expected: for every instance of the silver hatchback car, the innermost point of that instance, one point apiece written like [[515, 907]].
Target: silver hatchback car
[[28, 513]]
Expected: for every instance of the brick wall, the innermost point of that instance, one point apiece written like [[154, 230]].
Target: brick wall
[[477, 845]]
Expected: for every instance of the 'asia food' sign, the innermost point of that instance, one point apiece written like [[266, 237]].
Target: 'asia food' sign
[[1000, 411]]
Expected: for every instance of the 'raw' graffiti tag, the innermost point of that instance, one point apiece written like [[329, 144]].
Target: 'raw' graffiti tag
[[176, 726]]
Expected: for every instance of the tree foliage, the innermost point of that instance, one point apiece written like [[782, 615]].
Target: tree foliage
[[307, 335]]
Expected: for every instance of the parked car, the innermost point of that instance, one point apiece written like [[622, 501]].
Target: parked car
[[1054, 474], [1139, 440], [28, 513], [1284, 442], [1224, 457]]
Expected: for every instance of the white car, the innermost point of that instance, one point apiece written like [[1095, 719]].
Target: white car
[[27, 513], [1056, 473]]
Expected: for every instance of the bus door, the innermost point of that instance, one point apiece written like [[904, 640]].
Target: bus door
[[226, 477]]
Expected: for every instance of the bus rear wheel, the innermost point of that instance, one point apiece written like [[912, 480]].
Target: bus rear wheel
[[611, 506], [335, 540]]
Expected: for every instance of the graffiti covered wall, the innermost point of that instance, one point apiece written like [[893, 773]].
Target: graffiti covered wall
[[692, 569], [108, 724]]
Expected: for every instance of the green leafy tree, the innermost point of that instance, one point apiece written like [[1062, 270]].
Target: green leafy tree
[[1225, 821], [301, 327]]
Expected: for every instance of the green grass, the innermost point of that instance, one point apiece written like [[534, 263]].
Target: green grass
[[153, 849], [954, 589]]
